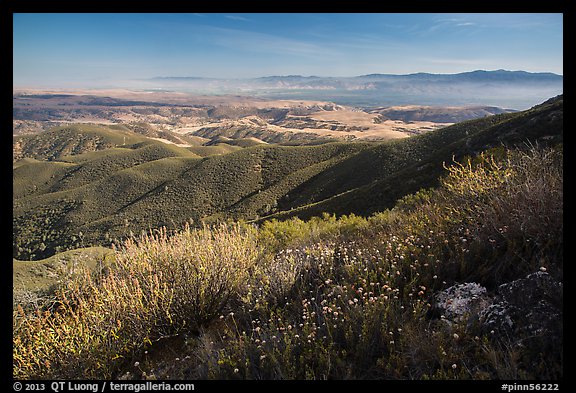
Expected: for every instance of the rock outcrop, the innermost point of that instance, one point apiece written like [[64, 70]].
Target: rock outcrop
[[531, 306], [527, 307]]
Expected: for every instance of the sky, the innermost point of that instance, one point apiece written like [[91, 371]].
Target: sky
[[82, 49]]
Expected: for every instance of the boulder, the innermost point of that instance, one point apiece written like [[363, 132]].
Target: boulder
[[527, 307], [460, 302], [530, 306]]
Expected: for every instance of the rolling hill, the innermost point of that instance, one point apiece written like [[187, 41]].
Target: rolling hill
[[437, 114], [83, 185]]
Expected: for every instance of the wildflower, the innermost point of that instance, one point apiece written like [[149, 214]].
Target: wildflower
[[456, 336], [136, 364], [542, 269], [236, 371], [454, 366], [262, 357]]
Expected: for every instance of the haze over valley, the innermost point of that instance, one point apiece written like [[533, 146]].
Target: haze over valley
[[509, 89]]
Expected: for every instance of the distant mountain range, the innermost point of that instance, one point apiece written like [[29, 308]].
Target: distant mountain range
[[477, 75], [508, 89], [472, 76]]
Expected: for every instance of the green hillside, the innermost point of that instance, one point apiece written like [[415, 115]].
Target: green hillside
[[377, 177], [74, 139], [217, 149], [101, 184], [34, 279]]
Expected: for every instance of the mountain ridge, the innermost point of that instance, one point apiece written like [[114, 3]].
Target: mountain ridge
[[479, 72]]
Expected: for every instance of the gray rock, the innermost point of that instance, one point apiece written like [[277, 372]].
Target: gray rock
[[459, 302], [527, 307], [530, 306]]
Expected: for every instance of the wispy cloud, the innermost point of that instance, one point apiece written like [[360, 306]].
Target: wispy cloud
[[237, 17], [251, 41], [451, 23]]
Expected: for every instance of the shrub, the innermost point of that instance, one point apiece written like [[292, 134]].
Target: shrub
[[156, 286], [509, 211]]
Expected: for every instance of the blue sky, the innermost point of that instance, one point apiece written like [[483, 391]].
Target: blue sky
[[84, 49]]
